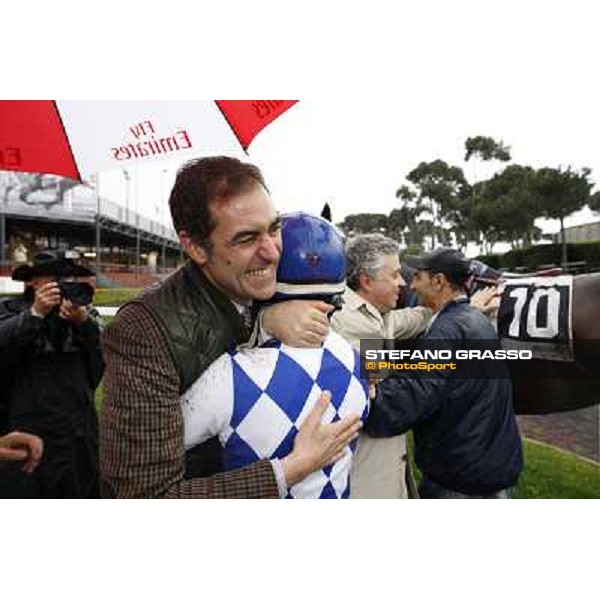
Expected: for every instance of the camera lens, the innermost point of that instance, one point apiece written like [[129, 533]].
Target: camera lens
[[79, 293]]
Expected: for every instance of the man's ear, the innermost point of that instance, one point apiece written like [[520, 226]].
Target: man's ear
[[364, 282], [194, 250], [443, 280]]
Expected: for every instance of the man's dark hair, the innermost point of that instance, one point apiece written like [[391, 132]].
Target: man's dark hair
[[457, 282], [456, 286], [202, 181]]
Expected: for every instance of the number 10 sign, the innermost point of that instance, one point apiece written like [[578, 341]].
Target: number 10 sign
[[537, 310]]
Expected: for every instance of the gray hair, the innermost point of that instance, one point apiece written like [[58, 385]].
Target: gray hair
[[365, 254]]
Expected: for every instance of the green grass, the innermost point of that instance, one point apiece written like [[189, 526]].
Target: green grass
[[549, 473], [114, 296], [553, 473], [108, 296], [99, 389], [98, 397]]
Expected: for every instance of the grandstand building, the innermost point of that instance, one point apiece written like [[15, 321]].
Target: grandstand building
[[588, 232], [46, 211]]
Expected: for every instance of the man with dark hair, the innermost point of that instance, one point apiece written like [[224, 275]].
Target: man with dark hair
[[381, 468], [255, 398], [51, 364], [466, 439], [160, 343], [219, 179]]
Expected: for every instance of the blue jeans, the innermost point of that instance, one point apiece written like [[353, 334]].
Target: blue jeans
[[430, 490]]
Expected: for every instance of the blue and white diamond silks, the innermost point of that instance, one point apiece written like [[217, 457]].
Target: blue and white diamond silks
[[256, 399]]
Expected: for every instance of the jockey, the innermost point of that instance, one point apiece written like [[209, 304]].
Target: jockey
[[255, 399]]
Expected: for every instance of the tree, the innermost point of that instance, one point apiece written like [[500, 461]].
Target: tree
[[463, 226], [594, 202], [486, 148], [404, 224], [561, 193], [440, 189], [504, 207], [364, 223]]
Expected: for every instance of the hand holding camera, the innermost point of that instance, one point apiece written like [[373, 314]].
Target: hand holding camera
[[69, 298], [72, 312], [47, 297], [76, 295]]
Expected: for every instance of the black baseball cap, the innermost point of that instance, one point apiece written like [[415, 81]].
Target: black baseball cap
[[448, 261]]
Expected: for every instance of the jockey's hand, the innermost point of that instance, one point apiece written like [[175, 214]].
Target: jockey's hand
[[317, 444], [486, 300], [298, 323]]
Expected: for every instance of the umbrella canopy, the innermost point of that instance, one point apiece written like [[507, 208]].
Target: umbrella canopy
[[77, 138]]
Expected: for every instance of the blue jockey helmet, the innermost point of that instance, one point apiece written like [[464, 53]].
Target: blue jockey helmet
[[313, 259]]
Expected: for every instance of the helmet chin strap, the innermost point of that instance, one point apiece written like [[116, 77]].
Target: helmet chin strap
[[336, 301]]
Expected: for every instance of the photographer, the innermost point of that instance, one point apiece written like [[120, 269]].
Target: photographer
[[51, 364]]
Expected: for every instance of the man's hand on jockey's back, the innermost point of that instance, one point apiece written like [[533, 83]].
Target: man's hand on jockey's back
[[298, 323], [318, 444]]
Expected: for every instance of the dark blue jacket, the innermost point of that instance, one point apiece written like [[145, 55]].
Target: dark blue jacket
[[466, 436]]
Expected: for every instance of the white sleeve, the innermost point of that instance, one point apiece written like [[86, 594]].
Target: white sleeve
[[207, 405]]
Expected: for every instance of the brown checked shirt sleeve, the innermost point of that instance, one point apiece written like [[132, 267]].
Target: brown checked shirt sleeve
[[141, 425]]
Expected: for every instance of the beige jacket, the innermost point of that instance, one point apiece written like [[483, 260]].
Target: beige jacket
[[359, 319], [379, 467]]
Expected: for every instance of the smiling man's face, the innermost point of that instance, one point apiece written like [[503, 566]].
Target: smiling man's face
[[383, 289], [245, 246]]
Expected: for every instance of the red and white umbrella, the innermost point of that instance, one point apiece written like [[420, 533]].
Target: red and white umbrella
[[76, 138]]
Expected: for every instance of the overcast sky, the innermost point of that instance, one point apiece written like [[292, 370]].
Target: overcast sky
[[355, 154], [382, 87]]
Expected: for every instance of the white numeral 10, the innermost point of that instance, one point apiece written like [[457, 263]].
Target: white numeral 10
[[551, 328]]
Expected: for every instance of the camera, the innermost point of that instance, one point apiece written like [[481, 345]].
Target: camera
[[79, 293]]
